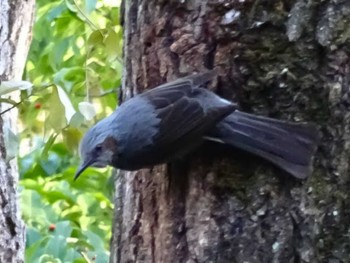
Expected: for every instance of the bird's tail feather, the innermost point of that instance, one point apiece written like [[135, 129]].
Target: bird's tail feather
[[290, 146]]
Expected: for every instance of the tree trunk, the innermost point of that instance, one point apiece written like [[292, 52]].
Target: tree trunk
[[16, 18], [284, 59]]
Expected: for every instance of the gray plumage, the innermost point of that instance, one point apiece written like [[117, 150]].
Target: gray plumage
[[167, 122]]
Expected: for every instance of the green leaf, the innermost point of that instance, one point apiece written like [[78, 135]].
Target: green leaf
[[34, 251], [58, 51], [112, 43], [99, 256], [30, 184], [34, 210], [68, 77], [11, 142], [63, 229], [56, 118], [72, 137], [76, 120], [52, 196], [48, 145], [95, 38], [94, 240], [73, 256], [51, 164], [47, 258], [56, 246], [61, 109], [55, 12], [32, 236], [71, 6]]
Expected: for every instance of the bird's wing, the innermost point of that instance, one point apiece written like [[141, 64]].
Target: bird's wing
[[183, 117], [195, 80]]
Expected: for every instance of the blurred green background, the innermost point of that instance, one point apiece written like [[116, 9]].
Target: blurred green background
[[75, 66]]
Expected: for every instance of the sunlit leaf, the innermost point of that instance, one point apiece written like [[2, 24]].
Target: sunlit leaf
[[13, 85], [112, 43], [66, 102], [87, 109], [56, 118]]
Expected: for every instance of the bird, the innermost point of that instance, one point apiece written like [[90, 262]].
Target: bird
[[167, 122]]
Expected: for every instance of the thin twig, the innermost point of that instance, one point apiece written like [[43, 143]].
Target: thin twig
[[13, 106], [85, 257], [92, 25]]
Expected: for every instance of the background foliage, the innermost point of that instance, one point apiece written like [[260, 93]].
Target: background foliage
[[74, 61]]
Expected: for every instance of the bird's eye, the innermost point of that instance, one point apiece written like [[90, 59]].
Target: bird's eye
[[98, 148]]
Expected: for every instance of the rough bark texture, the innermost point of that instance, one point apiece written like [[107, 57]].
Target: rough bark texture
[[284, 59], [16, 18]]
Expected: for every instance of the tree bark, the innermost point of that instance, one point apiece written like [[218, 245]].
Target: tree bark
[[284, 59], [16, 19]]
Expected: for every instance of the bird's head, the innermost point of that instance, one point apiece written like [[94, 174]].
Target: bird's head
[[97, 148]]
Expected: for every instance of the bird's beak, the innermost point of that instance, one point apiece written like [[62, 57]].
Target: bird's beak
[[82, 168]]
